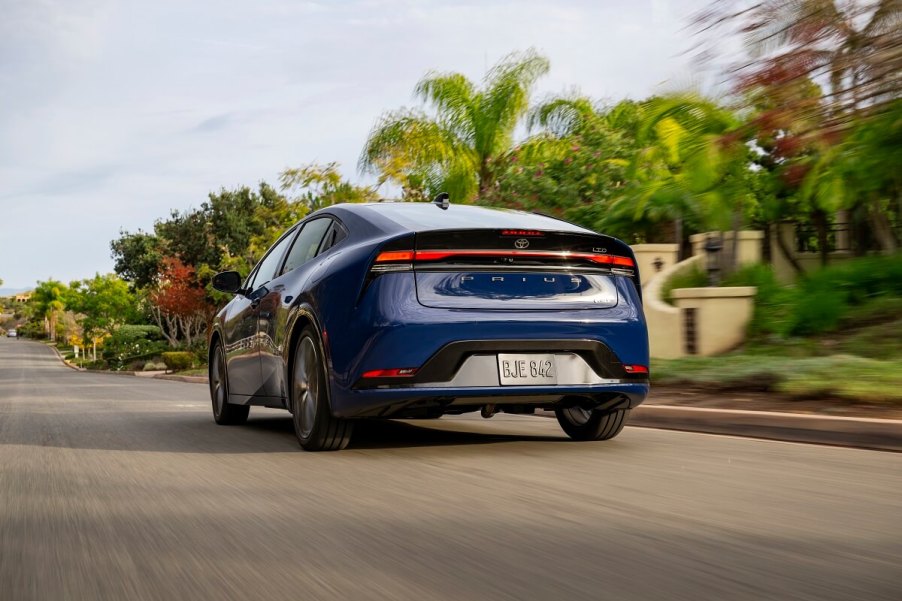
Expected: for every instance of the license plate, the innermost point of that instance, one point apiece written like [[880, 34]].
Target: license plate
[[526, 370]]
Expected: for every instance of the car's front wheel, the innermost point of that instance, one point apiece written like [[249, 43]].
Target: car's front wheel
[[591, 424], [316, 428], [224, 412]]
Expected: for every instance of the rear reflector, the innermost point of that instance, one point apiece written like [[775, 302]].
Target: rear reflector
[[635, 369], [403, 372], [439, 255]]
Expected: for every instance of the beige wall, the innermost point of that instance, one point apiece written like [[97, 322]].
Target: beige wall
[[722, 316], [783, 269], [665, 325], [749, 250], [648, 254]]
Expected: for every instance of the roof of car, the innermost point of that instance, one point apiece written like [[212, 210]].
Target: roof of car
[[425, 216]]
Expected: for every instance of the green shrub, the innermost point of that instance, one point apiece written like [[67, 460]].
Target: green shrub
[[827, 295], [693, 278], [774, 303], [816, 312], [132, 342], [178, 360], [154, 366]]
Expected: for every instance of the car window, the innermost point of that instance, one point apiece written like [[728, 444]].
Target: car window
[[307, 243], [270, 264], [335, 235]]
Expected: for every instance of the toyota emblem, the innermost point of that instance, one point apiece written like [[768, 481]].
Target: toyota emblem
[[521, 243]]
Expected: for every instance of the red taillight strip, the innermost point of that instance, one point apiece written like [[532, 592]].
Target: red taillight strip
[[402, 372], [438, 255], [635, 369], [395, 255]]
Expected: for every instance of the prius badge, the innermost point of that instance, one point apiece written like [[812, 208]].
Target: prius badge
[[521, 243]]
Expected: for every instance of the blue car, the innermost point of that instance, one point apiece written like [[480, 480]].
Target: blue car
[[418, 310]]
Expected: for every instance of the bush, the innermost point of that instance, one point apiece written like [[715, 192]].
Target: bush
[[774, 304], [154, 366], [828, 295], [131, 341], [178, 360], [693, 278]]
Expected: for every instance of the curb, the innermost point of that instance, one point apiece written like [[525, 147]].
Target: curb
[[177, 378], [63, 361], [855, 432]]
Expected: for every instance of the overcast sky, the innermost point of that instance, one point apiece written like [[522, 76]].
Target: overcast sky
[[114, 112]]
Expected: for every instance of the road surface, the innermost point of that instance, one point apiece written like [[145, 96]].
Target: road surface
[[116, 487]]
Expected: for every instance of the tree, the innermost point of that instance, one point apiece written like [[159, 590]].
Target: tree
[[317, 186], [137, 257], [851, 51], [231, 230], [692, 164], [47, 301], [572, 166], [456, 148], [102, 304], [178, 304]]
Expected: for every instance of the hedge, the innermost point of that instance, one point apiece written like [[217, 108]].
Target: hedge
[[178, 360]]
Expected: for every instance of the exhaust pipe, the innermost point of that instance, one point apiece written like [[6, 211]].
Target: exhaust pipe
[[488, 411]]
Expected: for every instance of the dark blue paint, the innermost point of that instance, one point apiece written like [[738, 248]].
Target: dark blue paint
[[381, 324]]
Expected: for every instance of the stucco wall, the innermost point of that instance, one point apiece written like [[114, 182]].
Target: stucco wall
[[722, 316], [665, 337], [648, 254]]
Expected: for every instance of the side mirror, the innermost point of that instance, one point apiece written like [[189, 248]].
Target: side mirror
[[227, 281]]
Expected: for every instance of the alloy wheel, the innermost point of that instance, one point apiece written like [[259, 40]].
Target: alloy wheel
[[217, 382], [306, 386]]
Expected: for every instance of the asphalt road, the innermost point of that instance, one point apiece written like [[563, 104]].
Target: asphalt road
[[115, 487]]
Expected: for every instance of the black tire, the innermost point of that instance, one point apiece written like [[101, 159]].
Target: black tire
[[315, 426], [590, 424], [224, 412]]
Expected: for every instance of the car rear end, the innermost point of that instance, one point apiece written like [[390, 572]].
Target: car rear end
[[497, 319]]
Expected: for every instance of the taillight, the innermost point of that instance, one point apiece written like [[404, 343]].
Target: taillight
[[635, 369], [394, 256], [401, 372], [394, 260], [402, 259]]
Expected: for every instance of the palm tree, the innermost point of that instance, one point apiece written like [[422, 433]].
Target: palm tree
[[453, 149], [691, 163], [48, 301], [853, 49]]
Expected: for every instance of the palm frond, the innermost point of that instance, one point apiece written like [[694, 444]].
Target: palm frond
[[561, 116]]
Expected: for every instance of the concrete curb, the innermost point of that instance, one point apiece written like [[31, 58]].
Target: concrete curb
[[856, 432], [178, 378], [63, 361]]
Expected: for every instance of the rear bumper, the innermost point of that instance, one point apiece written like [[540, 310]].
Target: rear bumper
[[385, 402], [392, 330]]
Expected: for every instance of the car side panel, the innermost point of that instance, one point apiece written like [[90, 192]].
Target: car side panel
[[239, 332]]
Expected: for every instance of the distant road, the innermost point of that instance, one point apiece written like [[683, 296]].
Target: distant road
[[115, 487]]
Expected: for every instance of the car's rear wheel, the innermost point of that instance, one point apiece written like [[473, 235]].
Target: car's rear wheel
[[590, 424], [316, 428], [224, 412]]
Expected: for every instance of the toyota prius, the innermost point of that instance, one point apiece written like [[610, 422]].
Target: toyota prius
[[418, 310]]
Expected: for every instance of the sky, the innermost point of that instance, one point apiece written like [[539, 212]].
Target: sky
[[115, 112]]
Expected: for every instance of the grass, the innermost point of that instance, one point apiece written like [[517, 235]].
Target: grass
[[862, 364], [197, 371], [846, 377]]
